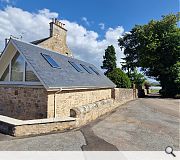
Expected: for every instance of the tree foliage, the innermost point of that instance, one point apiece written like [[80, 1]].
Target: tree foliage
[[119, 78], [155, 48], [176, 74], [109, 62], [137, 78]]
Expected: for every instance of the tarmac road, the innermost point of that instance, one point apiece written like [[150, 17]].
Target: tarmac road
[[143, 124]]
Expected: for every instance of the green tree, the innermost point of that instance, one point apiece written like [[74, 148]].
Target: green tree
[[176, 74], [109, 62], [173, 81], [155, 48], [137, 78], [119, 78]]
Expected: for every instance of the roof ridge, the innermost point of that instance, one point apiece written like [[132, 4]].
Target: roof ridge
[[29, 43], [36, 42]]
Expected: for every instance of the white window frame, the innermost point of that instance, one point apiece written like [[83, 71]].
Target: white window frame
[[24, 75]]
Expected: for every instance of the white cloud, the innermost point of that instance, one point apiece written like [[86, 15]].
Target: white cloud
[[84, 19], [102, 26], [84, 43], [114, 34]]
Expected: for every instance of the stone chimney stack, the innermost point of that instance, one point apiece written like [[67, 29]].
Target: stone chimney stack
[[57, 28], [57, 38]]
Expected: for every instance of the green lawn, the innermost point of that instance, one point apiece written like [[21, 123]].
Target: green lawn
[[154, 90]]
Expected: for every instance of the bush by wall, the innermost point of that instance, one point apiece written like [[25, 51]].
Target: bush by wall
[[119, 78]]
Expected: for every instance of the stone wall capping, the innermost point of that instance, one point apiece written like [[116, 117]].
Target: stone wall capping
[[16, 122]]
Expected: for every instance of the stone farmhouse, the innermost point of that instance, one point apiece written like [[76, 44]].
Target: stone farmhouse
[[44, 89]]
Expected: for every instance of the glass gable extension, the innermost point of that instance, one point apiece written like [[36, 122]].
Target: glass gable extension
[[18, 71], [17, 68], [5, 76], [30, 76], [75, 66], [51, 61], [94, 70], [86, 68]]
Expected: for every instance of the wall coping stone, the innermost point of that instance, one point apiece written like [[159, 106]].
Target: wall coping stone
[[18, 122]]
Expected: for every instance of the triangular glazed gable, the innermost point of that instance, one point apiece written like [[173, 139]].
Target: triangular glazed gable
[[5, 76], [18, 70]]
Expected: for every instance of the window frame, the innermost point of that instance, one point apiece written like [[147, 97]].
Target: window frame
[[51, 59], [10, 70], [86, 68], [75, 66], [94, 70]]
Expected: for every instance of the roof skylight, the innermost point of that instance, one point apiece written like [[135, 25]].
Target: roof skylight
[[94, 70], [75, 66], [86, 68], [51, 61]]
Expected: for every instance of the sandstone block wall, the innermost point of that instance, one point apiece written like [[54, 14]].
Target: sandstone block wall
[[35, 129], [66, 100], [23, 103], [36, 103], [123, 94], [90, 112], [57, 44]]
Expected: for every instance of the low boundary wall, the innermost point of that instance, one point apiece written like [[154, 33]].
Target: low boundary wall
[[87, 113], [79, 116], [17, 128]]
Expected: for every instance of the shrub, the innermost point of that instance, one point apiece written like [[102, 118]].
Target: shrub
[[119, 78]]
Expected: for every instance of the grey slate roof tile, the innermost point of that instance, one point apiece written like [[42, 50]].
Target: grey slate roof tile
[[67, 76]]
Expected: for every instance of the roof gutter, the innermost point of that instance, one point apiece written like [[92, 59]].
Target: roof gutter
[[67, 89]]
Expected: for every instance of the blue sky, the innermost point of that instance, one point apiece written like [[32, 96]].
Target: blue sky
[[92, 24], [112, 13]]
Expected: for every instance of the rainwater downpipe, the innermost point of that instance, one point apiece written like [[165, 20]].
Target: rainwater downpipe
[[55, 101]]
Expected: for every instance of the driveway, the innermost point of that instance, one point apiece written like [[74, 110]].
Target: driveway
[[143, 124]]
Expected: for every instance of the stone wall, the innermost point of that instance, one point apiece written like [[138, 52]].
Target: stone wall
[[36, 128], [23, 102], [89, 112], [83, 106], [123, 94], [57, 39], [66, 100], [36, 103], [57, 44]]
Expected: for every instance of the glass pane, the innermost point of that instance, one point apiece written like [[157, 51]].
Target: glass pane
[[94, 70], [75, 66], [51, 61], [17, 68], [86, 68], [30, 76], [5, 76]]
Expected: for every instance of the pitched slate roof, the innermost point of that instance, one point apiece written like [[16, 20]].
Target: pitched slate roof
[[65, 77]]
